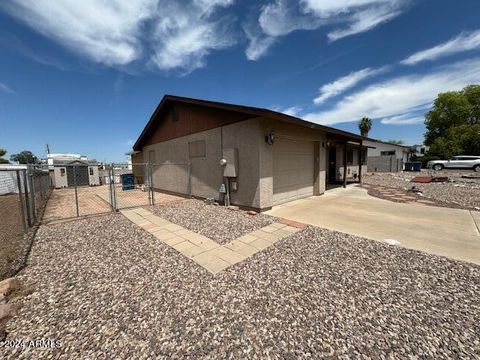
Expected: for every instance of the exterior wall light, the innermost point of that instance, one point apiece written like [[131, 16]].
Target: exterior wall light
[[270, 138]]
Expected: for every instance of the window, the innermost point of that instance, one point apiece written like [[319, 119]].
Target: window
[[91, 171], [422, 151], [387, 153], [62, 171], [197, 149]]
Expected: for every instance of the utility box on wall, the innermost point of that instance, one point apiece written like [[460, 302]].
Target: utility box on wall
[[231, 168]]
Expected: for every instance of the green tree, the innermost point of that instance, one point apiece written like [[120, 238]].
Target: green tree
[[463, 139], [2, 154], [365, 125], [451, 109], [25, 157]]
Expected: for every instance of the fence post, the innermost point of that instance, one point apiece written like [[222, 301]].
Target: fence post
[[150, 166], [190, 179], [22, 210], [114, 194], [27, 203], [76, 192], [111, 175], [32, 192]]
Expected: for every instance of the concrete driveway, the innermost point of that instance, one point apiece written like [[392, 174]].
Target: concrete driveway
[[442, 231]]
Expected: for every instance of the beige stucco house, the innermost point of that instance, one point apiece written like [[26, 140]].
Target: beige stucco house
[[263, 158]]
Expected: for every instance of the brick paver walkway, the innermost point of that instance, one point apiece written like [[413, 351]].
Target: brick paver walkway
[[204, 251], [396, 195]]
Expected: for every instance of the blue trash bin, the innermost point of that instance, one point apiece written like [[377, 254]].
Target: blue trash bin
[[408, 166], [417, 166], [128, 181]]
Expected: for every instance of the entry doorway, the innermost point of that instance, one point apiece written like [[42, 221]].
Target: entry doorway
[[332, 165]]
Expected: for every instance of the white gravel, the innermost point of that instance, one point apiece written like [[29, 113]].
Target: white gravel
[[458, 192], [215, 222], [106, 289]]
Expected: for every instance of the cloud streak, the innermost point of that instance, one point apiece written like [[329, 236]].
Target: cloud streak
[[463, 42], [342, 84], [399, 95], [4, 88]]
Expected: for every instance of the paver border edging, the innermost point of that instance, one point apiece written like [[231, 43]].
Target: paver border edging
[[206, 252]]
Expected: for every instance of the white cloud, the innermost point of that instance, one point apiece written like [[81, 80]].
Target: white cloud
[[400, 95], [185, 35], [168, 33], [344, 83], [404, 119], [258, 44], [363, 21], [4, 88], [350, 17], [292, 111], [463, 42], [105, 31]]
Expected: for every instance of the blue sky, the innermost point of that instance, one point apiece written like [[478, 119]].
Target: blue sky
[[84, 76]]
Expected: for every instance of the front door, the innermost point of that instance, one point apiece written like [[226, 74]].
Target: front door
[[332, 165]]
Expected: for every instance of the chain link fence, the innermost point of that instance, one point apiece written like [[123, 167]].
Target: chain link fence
[[24, 192], [91, 189]]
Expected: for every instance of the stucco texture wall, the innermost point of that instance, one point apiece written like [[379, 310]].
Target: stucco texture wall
[[176, 171], [293, 132]]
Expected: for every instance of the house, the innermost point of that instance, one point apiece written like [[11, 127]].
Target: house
[[263, 158], [419, 150], [386, 157], [68, 170]]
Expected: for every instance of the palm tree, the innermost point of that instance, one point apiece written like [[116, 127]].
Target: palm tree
[[365, 124]]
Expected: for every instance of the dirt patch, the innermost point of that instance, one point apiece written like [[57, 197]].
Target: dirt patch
[[62, 205], [14, 243]]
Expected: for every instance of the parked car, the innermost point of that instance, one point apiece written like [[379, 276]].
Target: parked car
[[457, 162]]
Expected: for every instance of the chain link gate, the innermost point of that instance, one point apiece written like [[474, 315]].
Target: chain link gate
[[83, 189]]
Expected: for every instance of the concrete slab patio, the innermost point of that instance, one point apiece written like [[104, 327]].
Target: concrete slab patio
[[442, 231]]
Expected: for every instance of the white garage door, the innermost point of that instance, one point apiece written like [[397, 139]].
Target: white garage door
[[292, 170]]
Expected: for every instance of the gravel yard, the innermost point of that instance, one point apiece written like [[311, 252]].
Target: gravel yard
[[215, 222], [104, 288], [458, 192]]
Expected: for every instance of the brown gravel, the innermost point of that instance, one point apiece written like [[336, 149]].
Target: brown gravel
[[457, 193], [106, 289], [215, 222]]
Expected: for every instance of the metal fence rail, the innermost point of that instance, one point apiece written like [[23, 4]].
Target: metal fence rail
[[71, 190]]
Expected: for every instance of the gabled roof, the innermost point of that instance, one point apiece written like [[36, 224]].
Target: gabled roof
[[254, 111]]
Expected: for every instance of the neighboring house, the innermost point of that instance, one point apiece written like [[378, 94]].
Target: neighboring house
[[68, 170], [386, 157], [271, 158], [419, 150]]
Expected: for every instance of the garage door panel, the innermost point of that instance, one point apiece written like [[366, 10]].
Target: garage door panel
[[292, 170]]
